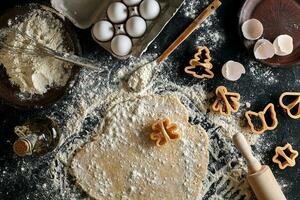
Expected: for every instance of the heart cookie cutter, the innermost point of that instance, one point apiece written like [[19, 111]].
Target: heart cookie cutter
[[226, 102], [261, 115], [291, 105], [289, 160], [201, 60]]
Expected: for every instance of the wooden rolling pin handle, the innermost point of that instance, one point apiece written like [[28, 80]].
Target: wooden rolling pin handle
[[242, 145], [260, 178], [194, 25]]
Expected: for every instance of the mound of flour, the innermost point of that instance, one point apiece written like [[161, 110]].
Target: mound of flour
[[31, 73]]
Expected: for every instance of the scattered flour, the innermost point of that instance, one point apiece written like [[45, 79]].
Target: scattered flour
[[142, 76], [262, 74], [31, 73], [191, 7], [226, 176], [84, 108], [122, 143], [211, 34]]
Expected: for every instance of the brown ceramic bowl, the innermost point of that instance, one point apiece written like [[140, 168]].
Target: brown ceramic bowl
[[278, 17], [10, 93]]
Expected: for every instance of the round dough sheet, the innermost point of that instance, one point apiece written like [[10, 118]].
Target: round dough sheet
[[123, 163]]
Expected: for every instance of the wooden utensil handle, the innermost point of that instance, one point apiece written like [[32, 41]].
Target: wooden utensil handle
[[192, 27], [242, 145]]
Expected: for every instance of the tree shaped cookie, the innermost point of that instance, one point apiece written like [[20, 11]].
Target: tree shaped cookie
[[226, 102], [200, 66], [163, 132], [292, 108], [269, 122], [287, 154]]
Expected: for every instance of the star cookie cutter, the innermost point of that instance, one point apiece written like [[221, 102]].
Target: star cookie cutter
[[163, 132], [290, 160], [226, 102], [262, 117], [291, 106], [201, 60]]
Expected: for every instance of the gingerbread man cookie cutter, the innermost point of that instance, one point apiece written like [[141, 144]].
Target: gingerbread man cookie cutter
[[226, 102], [262, 117], [201, 60], [292, 105], [163, 132], [289, 160]]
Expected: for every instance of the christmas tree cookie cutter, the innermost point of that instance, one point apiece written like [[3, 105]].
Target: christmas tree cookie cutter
[[201, 60]]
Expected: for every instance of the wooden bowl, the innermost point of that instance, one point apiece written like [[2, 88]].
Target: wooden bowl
[[278, 17], [11, 93]]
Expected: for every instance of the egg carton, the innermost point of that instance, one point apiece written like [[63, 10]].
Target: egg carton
[[91, 13]]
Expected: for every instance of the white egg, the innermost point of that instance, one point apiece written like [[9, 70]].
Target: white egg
[[103, 31], [131, 2], [283, 45], [136, 26], [252, 29], [121, 45], [149, 9], [117, 12]]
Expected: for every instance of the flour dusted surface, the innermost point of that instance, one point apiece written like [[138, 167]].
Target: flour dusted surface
[[31, 73], [123, 163], [86, 107]]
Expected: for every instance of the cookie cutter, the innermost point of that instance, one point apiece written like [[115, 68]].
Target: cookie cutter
[[291, 105], [261, 115], [163, 132], [226, 102], [201, 59], [290, 160]]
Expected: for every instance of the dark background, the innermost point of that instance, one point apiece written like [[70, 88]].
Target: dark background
[[20, 177]]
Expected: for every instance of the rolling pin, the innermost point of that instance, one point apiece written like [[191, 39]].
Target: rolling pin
[[260, 177]]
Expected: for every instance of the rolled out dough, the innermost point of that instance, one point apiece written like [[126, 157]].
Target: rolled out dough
[[123, 163]]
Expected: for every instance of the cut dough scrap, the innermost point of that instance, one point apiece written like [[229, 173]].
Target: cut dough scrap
[[283, 45], [122, 162], [263, 49]]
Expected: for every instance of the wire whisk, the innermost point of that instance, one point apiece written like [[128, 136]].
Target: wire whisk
[[30, 46]]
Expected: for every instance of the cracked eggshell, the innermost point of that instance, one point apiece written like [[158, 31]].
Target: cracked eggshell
[[232, 70], [121, 45], [252, 29], [131, 2], [149, 9], [117, 12], [136, 26], [283, 45], [263, 49]]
